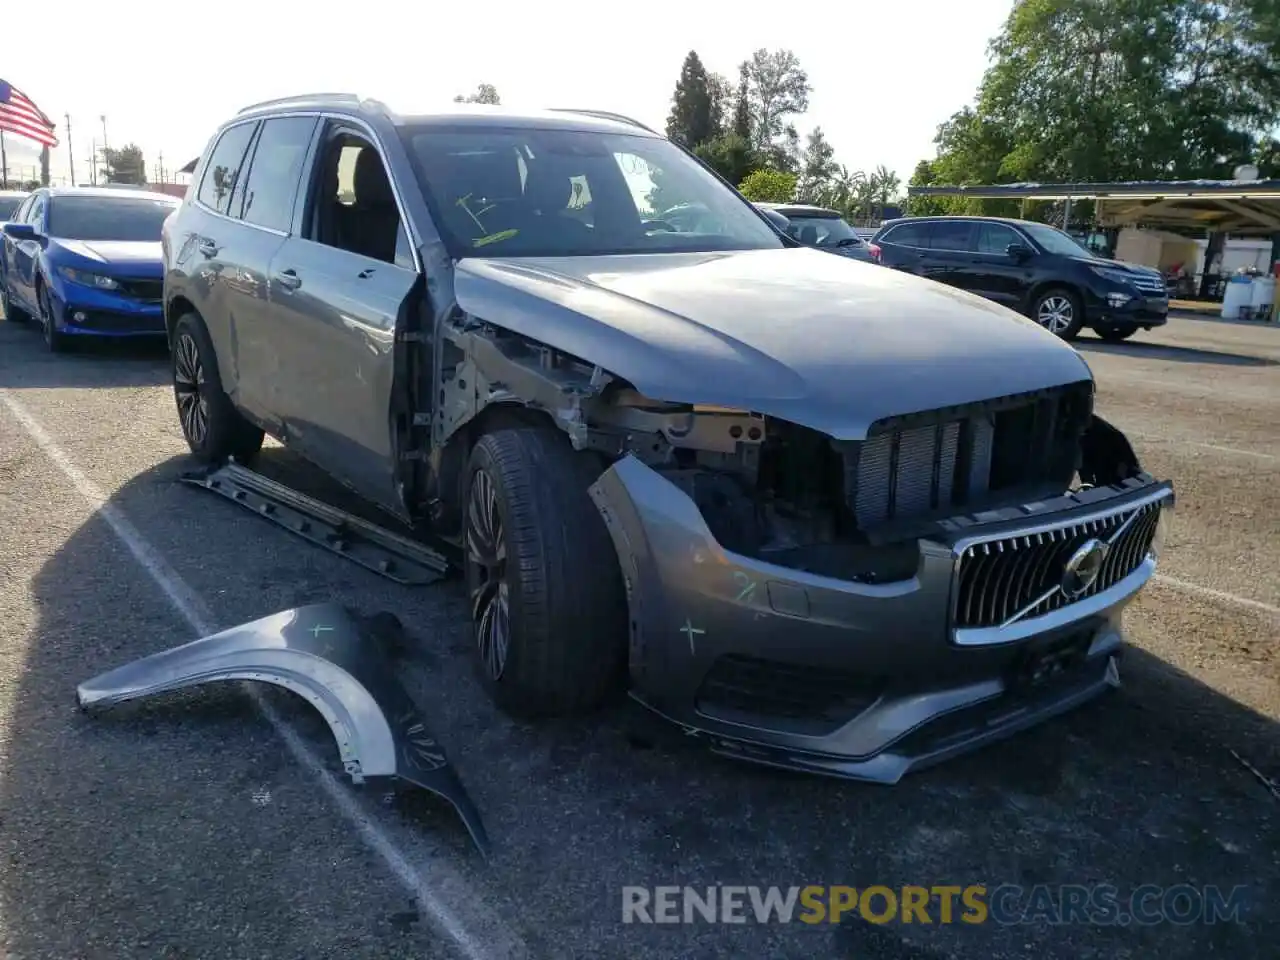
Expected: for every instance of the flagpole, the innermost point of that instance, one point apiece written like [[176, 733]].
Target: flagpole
[[4, 163]]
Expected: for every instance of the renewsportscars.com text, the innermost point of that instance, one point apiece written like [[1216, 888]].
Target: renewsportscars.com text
[[1094, 905]]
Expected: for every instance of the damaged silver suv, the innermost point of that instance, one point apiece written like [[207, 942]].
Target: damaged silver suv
[[825, 515]]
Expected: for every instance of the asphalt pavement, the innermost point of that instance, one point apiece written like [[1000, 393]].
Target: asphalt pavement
[[216, 823]]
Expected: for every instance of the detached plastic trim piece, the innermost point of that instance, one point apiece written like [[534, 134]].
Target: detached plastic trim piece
[[334, 660]]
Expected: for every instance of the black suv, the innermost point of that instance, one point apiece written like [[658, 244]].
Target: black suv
[[1033, 268]]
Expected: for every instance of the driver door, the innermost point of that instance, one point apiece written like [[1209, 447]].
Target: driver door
[[23, 256]]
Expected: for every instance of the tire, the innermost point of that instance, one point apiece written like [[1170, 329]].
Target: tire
[[542, 577], [1116, 334], [1060, 312], [12, 312], [213, 428], [54, 341]]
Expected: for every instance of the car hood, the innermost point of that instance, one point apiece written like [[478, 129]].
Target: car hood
[[1121, 265], [114, 252], [827, 342]]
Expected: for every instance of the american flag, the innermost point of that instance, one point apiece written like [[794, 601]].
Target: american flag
[[20, 116]]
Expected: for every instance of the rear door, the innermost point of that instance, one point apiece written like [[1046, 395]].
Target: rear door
[[990, 272], [214, 248], [338, 288], [266, 212], [949, 251]]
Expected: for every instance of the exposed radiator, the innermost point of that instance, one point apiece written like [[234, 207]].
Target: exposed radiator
[[913, 468]]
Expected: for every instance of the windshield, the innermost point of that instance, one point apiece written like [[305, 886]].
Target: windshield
[[823, 231], [504, 192], [1054, 240], [108, 218], [8, 205]]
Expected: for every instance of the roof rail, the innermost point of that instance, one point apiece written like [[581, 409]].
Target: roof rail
[[606, 115], [302, 98]]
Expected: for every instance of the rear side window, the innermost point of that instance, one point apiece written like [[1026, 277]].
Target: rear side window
[[951, 235], [908, 235], [995, 238], [223, 170], [276, 171]]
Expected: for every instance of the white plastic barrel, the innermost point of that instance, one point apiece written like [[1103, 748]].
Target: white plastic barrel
[[1238, 293], [1264, 295]]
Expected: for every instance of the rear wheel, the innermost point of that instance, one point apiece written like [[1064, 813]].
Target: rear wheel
[[548, 606], [1116, 334], [1059, 311], [11, 310], [211, 425]]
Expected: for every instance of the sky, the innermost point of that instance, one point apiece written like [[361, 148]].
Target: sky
[[884, 74]]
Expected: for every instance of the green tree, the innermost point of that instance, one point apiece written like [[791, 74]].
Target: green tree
[[1099, 90], [730, 156], [817, 168], [769, 186], [692, 120], [485, 93], [777, 88], [124, 165], [742, 104]]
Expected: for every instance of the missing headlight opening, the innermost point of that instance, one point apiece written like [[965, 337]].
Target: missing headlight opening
[[854, 510]]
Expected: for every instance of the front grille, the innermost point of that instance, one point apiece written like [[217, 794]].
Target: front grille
[[918, 465], [999, 578], [798, 698], [1151, 284], [148, 291]]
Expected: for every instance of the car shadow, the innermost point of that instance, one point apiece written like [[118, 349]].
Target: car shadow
[[88, 364], [125, 816], [1161, 351]]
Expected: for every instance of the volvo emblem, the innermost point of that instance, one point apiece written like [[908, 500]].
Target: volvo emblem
[[1083, 567]]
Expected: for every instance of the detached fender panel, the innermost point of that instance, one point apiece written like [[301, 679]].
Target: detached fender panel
[[333, 659]]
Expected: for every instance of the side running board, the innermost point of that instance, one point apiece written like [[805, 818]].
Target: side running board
[[372, 547]]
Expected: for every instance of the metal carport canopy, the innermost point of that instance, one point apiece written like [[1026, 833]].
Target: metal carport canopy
[[1240, 207]]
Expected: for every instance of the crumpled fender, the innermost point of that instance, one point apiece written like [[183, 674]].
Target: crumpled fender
[[336, 661]]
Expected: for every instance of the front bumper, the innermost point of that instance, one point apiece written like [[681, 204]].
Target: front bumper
[[866, 680], [1144, 311], [82, 311]]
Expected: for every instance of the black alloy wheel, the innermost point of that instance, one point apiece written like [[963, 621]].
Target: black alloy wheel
[[486, 547]]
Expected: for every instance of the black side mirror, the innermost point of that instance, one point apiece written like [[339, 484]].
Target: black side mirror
[[1018, 251]]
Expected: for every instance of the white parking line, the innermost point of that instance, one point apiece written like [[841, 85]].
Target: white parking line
[[1220, 595], [441, 893], [1238, 451]]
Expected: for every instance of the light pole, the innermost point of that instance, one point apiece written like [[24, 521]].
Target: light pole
[[71, 154]]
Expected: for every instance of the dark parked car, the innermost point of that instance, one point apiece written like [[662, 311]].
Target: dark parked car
[[10, 200], [1030, 267], [827, 517], [85, 262], [821, 228]]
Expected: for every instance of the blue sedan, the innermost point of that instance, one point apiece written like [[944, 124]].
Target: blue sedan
[[86, 262]]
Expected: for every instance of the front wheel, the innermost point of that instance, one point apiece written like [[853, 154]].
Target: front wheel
[[54, 340], [1059, 311], [213, 428], [548, 606]]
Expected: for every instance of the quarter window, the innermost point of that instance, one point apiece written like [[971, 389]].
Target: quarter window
[[222, 173], [276, 169]]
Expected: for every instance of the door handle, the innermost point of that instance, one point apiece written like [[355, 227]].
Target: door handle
[[288, 279], [207, 247], [365, 274]]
